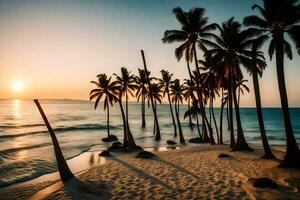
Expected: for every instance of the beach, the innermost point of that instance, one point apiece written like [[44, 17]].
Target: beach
[[185, 173]]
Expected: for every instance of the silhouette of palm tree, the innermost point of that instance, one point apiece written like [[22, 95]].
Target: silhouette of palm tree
[[141, 92], [194, 111], [104, 89], [189, 96], [231, 46], [279, 18], [166, 81], [176, 92], [126, 84], [194, 31]]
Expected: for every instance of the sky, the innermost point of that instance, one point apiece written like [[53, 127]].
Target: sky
[[53, 49]]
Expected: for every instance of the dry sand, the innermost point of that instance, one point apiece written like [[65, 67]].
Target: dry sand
[[187, 173]]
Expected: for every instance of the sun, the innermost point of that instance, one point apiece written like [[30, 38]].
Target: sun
[[18, 86]]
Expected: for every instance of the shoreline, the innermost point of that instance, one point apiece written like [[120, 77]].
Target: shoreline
[[160, 174]]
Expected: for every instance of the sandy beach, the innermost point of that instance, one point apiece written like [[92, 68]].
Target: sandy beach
[[186, 173]]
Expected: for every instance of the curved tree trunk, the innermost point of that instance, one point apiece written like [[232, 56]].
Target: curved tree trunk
[[143, 112], [63, 168], [181, 138], [173, 120], [199, 93], [130, 138], [230, 94], [292, 155], [154, 124], [108, 134], [198, 127], [125, 139], [215, 122], [190, 118], [267, 149], [221, 117], [241, 143], [157, 135]]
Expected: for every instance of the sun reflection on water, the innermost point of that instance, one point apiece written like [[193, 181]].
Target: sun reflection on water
[[16, 108]]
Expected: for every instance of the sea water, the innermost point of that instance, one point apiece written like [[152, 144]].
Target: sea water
[[26, 150]]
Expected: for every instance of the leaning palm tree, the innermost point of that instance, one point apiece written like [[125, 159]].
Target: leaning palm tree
[[166, 81], [63, 168], [231, 46], [126, 84], [176, 91], [141, 92], [279, 18], [194, 31], [157, 133], [106, 89]]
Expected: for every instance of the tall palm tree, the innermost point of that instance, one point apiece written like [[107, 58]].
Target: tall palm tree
[[126, 84], [157, 134], [194, 111], [279, 18], [194, 31], [166, 81], [231, 46], [141, 92], [176, 91], [106, 89], [257, 64]]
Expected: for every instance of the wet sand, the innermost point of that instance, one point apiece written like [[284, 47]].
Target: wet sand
[[186, 173]]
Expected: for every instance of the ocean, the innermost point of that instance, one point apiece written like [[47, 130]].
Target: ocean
[[26, 150]]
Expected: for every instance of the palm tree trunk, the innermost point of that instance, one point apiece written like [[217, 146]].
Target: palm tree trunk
[[125, 139], [157, 135], [154, 124], [292, 155], [212, 141], [230, 88], [190, 118], [173, 120], [143, 111], [215, 122], [131, 141], [198, 127], [181, 138], [267, 149], [241, 143], [63, 168], [108, 134], [221, 117], [227, 114]]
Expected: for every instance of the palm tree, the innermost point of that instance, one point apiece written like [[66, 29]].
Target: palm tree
[[194, 111], [189, 95], [157, 134], [176, 91], [279, 18], [126, 84], [106, 89], [141, 92], [63, 168], [257, 65], [166, 81], [194, 31], [231, 46], [241, 86], [157, 98]]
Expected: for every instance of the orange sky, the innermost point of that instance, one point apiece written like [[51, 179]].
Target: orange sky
[[56, 49]]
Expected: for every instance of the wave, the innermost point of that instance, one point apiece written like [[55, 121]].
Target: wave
[[10, 126], [12, 150], [269, 137], [80, 127]]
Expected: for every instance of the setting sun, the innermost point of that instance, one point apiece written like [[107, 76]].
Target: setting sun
[[18, 86]]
